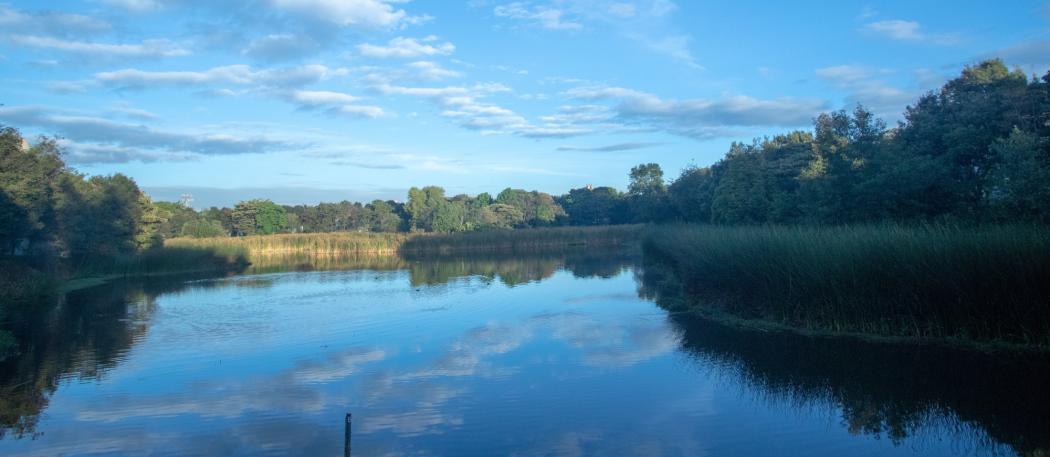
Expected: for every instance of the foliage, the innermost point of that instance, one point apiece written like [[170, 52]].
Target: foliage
[[977, 150], [262, 217], [594, 206], [29, 175], [382, 218], [202, 228]]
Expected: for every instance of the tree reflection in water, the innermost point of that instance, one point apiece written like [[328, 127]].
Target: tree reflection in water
[[894, 390]]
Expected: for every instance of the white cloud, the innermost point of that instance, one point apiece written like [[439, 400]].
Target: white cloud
[[463, 105], [407, 47], [231, 74], [864, 87], [335, 102], [1032, 55], [68, 87], [432, 71], [148, 48], [701, 118], [360, 13], [321, 98], [112, 141], [280, 47], [52, 23], [134, 113], [902, 30], [845, 73], [543, 16], [897, 29], [609, 148]]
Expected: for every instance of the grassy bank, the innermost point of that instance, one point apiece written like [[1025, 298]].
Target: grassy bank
[[983, 284], [358, 243], [22, 283]]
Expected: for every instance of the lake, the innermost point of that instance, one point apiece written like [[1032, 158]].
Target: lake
[[562, 355]]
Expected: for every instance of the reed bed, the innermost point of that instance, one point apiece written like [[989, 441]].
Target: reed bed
[[536, 240], [336, 243], [357, 243], [977, 284]]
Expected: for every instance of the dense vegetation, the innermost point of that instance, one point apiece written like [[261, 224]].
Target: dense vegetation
[[983, 284]]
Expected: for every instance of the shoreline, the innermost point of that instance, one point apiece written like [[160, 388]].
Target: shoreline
[[85, 282], [766, 326]]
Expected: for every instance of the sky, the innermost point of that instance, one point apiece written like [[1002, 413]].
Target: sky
[[302, 101]]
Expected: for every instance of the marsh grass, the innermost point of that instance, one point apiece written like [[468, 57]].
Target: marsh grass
[[983, 284], [526, 241], [552, 239], [336, 243]]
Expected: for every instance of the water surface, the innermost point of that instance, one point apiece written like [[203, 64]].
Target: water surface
[[481, 356]]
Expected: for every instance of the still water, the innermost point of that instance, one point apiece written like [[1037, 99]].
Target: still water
[[556, 356]]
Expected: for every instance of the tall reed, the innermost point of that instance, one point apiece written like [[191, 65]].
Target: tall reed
[[972, 283], [356, 243], [536, 240], [336, 243]]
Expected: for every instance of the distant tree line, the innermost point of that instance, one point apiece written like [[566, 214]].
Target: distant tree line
[[976, 150]]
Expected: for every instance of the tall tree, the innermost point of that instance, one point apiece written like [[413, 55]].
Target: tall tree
[[647, 193], [258, 217]]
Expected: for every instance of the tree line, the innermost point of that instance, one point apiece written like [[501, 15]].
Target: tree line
[[976, 150]]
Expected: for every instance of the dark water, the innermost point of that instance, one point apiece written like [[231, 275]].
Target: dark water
[[536, 356]]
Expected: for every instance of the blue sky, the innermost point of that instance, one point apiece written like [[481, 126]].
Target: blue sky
[[324, 100]]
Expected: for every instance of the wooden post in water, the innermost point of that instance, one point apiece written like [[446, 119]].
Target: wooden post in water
[[346, 437]]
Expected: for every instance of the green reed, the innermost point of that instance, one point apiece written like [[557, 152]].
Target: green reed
[[983, 284], [535, 240]]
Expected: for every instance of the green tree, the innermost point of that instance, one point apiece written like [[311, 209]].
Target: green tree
[[647, 193], [258, 217], [29, 175], [537, 208], [1021, 179], [499, 215], [692, 193], [448, 216], [417, 209], [647, 179], [203, 228], [593, 206], [953, 130], [382, 217], [173, 216], [99, 218], [742, 195]]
